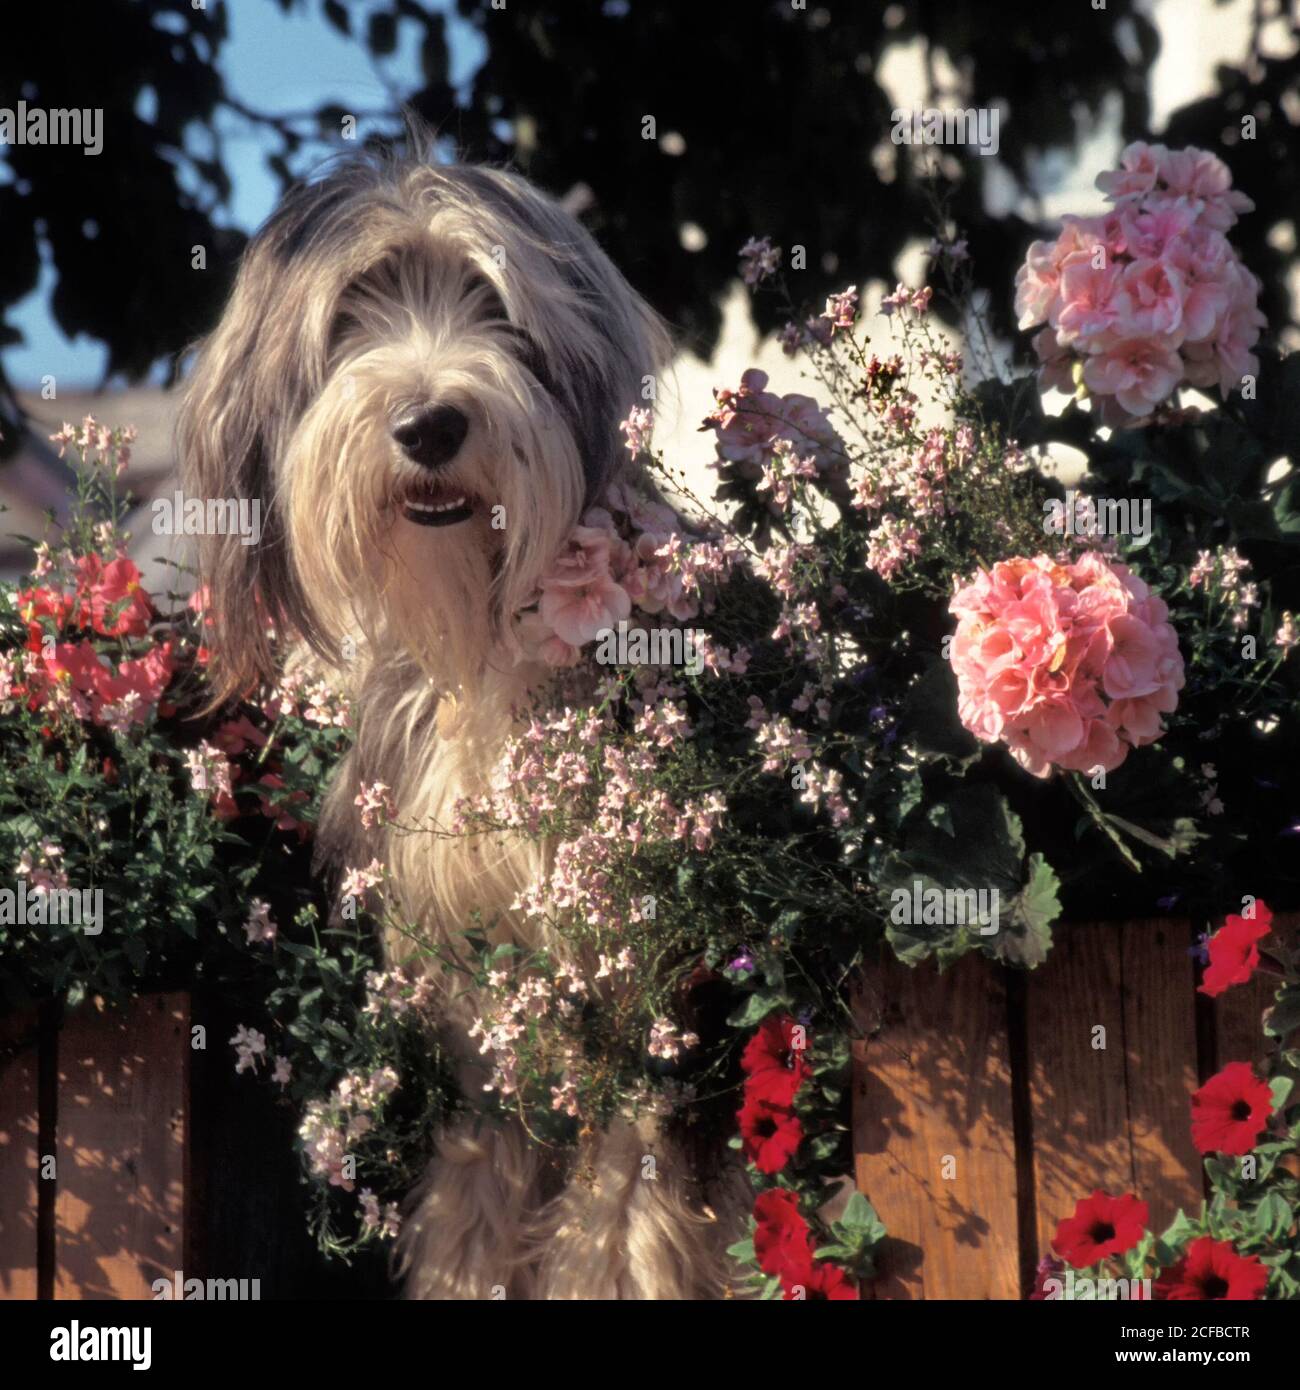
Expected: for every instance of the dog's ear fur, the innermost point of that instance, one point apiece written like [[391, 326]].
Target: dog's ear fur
[[250, 381]]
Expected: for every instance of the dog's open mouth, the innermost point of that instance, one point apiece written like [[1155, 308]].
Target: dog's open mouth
[[434, 506]]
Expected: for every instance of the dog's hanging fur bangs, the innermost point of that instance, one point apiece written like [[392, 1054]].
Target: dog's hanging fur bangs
[[588, 339]]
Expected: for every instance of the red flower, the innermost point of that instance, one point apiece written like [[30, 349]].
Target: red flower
[[774, 1061], [42, 602], [1101, 1226], [771, 1134], [822, 1280], [1230, 1110], [1213, 1269], [781, 1234], [116, 604], [1234, 950]]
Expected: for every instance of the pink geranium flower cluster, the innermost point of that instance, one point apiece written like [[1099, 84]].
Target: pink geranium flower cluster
[[1151, 295], [1069, 665], [628, 554]]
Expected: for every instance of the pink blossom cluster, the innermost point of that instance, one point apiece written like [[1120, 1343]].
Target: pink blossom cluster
[[667, 1043], [357, 882], [388, 1222], [538, 1007], [1069, 665], [98, 444], [376, 804], [624, 555], [397, 991], [905, 301], [209, 769], [250, 1048], [298, 695], [260, 927], [823, 789], [502, 1030], [43, 870], [1151, 295], [794, 571], [1222, 573], [330, 1127], [571, 774], [750, 421]]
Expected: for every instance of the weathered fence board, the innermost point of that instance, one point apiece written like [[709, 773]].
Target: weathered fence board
[[1077, 1091], [1161, 1064], [1097, 1056], [933, 1130], [123, 1116]]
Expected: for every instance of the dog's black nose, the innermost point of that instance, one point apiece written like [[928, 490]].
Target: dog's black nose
[[431, 435]]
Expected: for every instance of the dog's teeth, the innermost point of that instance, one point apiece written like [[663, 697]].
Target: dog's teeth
[[436, 506]]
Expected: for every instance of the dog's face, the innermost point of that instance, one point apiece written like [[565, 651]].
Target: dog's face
[[420, 374]]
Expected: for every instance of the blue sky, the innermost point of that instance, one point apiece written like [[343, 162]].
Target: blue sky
[[272, 62]]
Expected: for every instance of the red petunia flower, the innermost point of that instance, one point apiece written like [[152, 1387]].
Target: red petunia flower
[[774, 1061], [1213, 1269], [781, 1234], [1234, 951], [821, 1281], [1230, 1110], [1101, 1226], [771, 1134]]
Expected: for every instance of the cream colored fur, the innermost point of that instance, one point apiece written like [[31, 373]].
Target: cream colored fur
[[389, 284]]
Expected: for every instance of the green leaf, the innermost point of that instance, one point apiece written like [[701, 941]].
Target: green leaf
[[1283, 1018], [860, 1219], [755, 1009], [743, 1250], [929, 717], [1024, 934], [1273, 1216], [1281, 1087], [1179, 1230]]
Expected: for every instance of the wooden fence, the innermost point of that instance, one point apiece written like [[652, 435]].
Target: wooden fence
[[130, 1150], [987, 1101], [94, 1152]]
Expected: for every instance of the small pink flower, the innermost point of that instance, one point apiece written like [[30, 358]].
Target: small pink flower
[[376, 805], [260, 925]]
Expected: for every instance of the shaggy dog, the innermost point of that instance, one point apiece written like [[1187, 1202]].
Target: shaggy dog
[[421, 374]]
